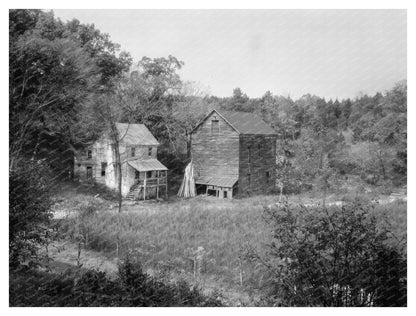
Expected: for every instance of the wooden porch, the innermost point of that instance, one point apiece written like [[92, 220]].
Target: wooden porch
[[150, 180]]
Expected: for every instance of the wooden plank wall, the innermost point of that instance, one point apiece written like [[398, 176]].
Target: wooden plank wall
[[141, 152], [102, 151], [263, 159], [217, 155]]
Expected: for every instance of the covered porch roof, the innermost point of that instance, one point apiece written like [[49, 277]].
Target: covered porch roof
[[147, 165], [225, 182]]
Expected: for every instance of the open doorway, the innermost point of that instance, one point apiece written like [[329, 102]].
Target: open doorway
[[201, 189], [211, 192]]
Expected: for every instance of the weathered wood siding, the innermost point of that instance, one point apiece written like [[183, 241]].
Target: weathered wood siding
[[215, 155], [82, 162], [253, 171], [140, 152], [102, 151]]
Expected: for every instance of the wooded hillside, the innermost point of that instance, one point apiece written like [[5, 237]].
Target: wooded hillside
[[68, 80]]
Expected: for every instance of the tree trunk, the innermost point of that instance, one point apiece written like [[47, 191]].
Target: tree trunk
[[118, 163], [383, 168], [118, 166], [188, 145]]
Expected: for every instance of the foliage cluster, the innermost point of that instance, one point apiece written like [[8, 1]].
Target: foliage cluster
[[29, 212], [56, 70], [131, 288], [333, 257]]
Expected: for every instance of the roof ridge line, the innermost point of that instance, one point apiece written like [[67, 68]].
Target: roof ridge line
[[227, 121], [206, 116]]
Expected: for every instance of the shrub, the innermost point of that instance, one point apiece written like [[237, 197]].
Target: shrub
[[332, 257], [132, 287], [29, 211]]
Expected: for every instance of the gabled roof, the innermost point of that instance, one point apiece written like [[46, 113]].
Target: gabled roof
[[136, 134], [147, 165], [243, 122], [247, 123]]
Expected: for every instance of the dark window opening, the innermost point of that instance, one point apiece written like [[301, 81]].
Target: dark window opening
[[89, 172], [215, 127], [133, 152], [103, 167], [268, 176], [225, 194], [89, 153], [150, 151], [211, 192], [148, 174]]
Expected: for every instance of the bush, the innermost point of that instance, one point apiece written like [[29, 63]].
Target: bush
[[29, 211], [132, 287], [332, 257]]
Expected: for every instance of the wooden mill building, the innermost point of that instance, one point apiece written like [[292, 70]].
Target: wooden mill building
[[143, 176], [233, 153]]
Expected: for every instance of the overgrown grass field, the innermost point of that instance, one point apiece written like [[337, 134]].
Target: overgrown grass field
[[165, 236]]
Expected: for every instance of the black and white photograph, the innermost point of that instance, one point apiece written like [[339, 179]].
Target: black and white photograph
[[207, 157]]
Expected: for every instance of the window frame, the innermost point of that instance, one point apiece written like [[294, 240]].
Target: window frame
[[133, 152], [218, 127], [89, 174], [103, 168], [150, 151]]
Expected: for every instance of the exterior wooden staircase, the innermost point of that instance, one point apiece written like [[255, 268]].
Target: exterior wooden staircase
[[134, 191]]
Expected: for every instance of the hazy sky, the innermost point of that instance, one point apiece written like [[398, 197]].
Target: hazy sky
[[330, 53]]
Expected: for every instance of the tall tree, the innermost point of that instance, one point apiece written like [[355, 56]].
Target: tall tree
[[55, 70]]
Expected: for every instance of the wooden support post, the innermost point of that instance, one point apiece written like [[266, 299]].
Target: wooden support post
[[157, 188], [166, 181], [145, 180]]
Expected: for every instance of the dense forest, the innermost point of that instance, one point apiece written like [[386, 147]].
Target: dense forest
[[68, 82]]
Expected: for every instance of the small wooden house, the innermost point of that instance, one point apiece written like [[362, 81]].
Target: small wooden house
[[233, 153], [143, 176]]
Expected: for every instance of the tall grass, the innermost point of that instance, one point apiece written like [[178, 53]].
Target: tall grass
[[167, 235]]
